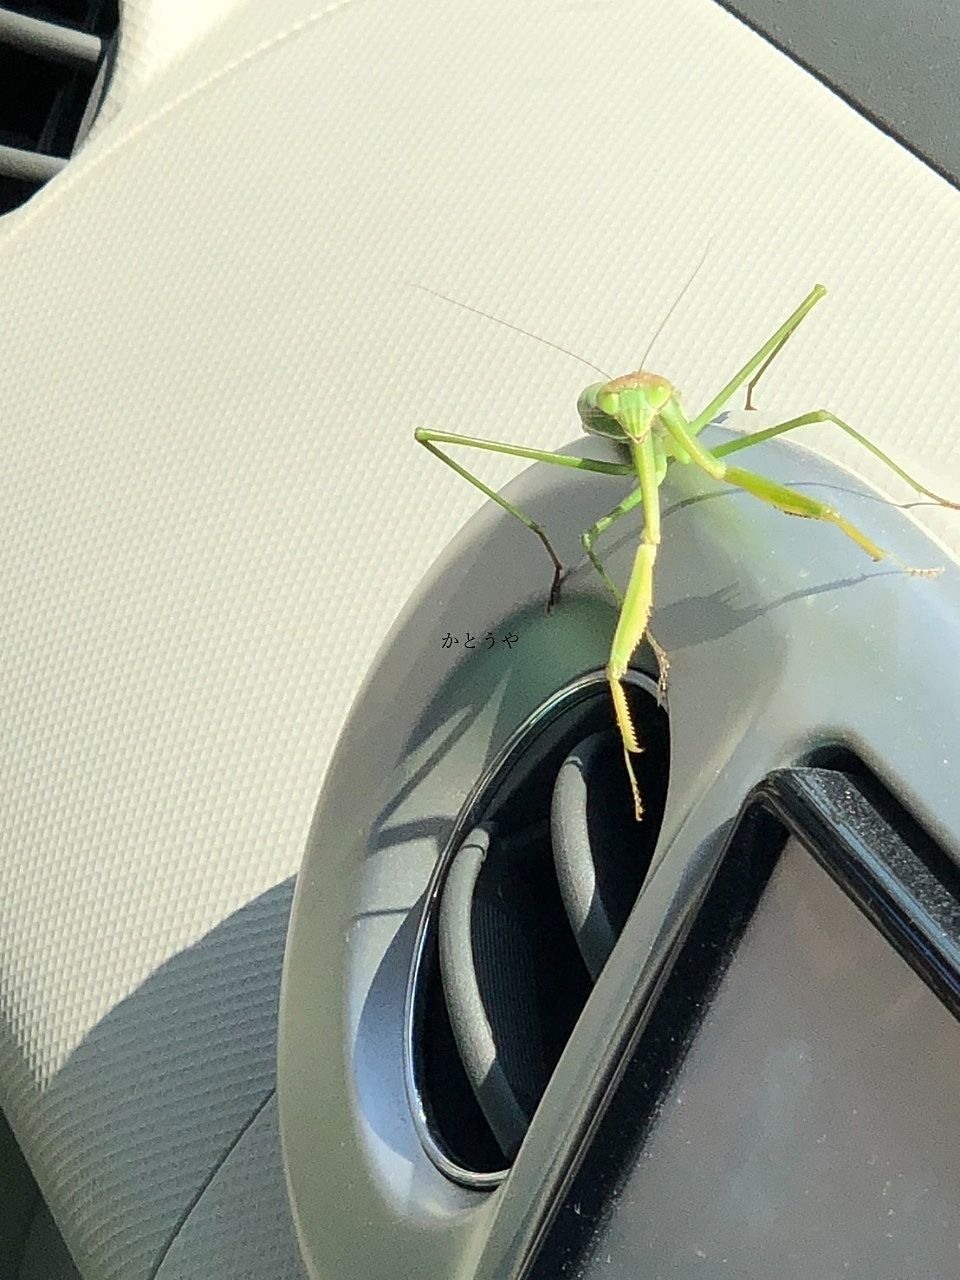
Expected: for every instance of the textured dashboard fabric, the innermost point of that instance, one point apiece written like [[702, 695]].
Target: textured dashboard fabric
[[242, 1227], [212, 508]]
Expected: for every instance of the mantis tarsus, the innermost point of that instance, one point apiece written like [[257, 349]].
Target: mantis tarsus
[[641, 411]]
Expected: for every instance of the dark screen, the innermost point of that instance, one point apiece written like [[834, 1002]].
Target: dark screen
[[894, 60], [813, 1128]]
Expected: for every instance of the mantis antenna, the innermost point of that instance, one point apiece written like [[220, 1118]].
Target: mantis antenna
[[507, 325], [466, 306], [673, 306]]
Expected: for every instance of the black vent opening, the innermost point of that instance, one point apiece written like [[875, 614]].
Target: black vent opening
[[532, 900], [54, 61]]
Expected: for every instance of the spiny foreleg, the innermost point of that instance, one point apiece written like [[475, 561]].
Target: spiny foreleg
[[635, 612]]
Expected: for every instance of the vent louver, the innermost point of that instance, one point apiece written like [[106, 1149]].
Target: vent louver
[[523, 914], [54, 59]]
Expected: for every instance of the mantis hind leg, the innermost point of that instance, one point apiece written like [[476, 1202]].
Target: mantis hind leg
[[757, 362], [751, 385], [429, 438]]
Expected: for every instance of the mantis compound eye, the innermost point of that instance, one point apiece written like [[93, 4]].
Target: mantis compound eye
[[659, 393], [608, 402]]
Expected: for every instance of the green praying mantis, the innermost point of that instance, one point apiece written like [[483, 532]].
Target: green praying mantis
[[642, 413]]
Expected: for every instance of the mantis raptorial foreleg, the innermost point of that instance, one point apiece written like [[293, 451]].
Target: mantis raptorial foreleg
[[776, 495], [588, 538], [430, 439], [792, 503], [637, 603], [824, 415]]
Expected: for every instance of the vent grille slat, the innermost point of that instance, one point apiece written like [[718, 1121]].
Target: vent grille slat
[[28, 166], [66, 45], [55, 58]]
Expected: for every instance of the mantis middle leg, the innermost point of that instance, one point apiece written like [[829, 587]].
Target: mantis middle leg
[[589, 537], [430, 439]]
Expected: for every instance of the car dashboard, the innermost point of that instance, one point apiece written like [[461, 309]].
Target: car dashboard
[[248, 748]]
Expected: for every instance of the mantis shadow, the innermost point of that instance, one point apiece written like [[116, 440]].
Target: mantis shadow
[[699, 619]]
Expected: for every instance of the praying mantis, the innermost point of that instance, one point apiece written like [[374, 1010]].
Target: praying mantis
[[641, 412]]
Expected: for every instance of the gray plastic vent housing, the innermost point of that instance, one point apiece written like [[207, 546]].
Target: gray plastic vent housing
[[783, 638]]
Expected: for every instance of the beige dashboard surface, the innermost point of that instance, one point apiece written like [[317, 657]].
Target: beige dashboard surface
[[212, 506]]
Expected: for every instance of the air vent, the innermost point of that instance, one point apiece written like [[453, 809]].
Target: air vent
[[54, 61], [524, 910]]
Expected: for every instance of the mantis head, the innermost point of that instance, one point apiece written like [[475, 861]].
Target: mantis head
[[625, 407]]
